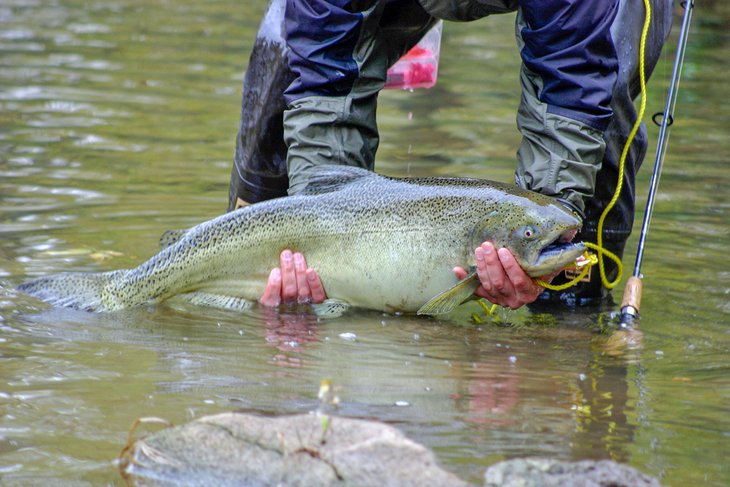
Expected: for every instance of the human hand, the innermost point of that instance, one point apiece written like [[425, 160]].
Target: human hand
[[293, 281], [503, 281]]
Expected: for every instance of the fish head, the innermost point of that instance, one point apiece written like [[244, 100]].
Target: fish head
[[538, 230]]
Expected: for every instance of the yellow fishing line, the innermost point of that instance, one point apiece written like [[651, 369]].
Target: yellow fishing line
[[601, 252], [598, 247]]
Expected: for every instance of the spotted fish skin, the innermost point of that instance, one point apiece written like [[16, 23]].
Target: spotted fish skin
[[377, 242]]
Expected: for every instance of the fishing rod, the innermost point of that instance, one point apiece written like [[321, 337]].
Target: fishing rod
[[632, 293]]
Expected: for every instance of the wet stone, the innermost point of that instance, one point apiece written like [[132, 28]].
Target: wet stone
[[301, 450], [546, 472], [312, 450]]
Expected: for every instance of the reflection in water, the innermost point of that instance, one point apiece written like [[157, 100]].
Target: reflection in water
[[600, 400], [497, 392], [289, 333], [490, 395]]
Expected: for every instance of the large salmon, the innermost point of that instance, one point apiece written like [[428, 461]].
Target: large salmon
[[377, 242]]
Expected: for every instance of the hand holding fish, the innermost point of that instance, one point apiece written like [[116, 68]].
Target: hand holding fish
[[503, 281], [293, 281]]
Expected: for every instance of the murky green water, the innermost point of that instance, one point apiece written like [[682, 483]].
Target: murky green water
[[117, 122]]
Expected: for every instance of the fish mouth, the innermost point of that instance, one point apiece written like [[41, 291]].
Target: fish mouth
[[557, 254]]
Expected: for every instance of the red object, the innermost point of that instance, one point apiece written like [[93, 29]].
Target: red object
[[416, 69], [417, 51]]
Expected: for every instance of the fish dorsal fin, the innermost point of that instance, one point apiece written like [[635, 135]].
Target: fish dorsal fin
[[171, 237], [329, 178], [452, 297]]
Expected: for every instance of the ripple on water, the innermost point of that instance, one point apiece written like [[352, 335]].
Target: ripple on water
[[89, 28], [22, 46], [53, 93]]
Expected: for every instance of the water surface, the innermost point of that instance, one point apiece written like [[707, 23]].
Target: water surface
[[117, 122]]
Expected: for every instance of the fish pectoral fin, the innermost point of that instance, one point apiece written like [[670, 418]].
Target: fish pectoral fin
[[171, 237], [211, 300], [330, 308], [452, 297]]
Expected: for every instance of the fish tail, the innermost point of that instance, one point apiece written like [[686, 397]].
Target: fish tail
[[78, 290]]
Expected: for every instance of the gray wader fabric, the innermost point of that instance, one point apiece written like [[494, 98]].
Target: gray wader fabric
[[260, 170], [342, 129], [626, 33], [565, 158]]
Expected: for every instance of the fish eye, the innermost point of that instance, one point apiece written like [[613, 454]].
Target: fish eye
[[529, 232]]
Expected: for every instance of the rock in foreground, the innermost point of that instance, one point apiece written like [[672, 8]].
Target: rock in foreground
[[246, 450], [546, 472], [242, 449]]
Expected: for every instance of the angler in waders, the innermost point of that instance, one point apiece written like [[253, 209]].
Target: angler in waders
[[317, 67]]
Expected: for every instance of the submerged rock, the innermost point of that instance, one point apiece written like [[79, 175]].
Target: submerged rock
[[546, 472], [242, 449]]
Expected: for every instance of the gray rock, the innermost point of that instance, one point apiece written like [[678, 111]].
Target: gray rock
[[242, 449], [246, 450], [545, 472]]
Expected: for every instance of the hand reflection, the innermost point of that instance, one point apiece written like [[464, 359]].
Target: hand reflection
[[289, 332], [491, 393]]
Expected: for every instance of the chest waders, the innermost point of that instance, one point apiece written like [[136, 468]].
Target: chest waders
[[261, 170]]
